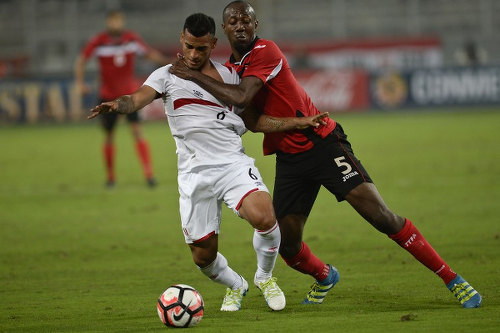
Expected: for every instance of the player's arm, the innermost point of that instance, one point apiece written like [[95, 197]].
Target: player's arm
[[240, 95], [258, 122], [157, 57], [126, 103], [79, 72]]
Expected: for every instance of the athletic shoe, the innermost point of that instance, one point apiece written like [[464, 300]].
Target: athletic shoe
[[232, 300], [463, 291], [319, 289], [273, 295], [151, 182], [110, 184]]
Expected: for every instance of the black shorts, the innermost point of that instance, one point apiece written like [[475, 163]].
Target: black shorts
[[331, 163], [109, 119]]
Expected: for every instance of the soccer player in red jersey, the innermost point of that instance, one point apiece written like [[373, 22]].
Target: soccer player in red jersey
[[116, 50], [308, 159]]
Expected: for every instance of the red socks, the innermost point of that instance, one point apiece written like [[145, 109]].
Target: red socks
[[306, 262], [142, 148], [109, 159], [412, 241]]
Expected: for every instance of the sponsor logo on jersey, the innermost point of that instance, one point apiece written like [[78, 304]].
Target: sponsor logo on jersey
[[349, 175]]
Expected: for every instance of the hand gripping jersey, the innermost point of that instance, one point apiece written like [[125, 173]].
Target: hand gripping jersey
[[281, 96], [206, 132], [116, 57]]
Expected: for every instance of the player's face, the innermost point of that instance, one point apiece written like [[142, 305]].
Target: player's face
[[115, 23], [197, 50], [240, 26]]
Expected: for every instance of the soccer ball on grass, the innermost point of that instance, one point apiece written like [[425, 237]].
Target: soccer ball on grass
[[180, 306]]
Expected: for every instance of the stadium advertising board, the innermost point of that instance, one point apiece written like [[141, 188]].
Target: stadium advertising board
[[55, 100], [336, 90], [42, 100], [436, 87], [370, 54]]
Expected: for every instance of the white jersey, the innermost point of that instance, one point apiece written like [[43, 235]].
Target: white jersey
[[206, 132]]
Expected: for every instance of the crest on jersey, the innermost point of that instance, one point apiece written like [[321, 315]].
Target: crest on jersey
[[198, 94]]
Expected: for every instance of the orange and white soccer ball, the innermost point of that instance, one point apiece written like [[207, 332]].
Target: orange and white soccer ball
[[180, 306]]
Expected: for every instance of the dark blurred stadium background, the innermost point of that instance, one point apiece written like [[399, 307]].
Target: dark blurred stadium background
[[350, 55]]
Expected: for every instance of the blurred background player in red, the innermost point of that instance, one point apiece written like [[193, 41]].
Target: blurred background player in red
[[116, 50]]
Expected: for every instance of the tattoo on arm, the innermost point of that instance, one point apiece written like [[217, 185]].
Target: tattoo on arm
[[125, 104], [274, 123]]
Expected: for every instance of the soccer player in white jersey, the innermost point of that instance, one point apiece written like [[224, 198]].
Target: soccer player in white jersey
[[213, 167]]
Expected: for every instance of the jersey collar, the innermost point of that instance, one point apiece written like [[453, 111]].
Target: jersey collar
[[232, 60]]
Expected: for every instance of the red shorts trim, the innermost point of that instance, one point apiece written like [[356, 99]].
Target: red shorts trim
[[243, 198], [204, 237]]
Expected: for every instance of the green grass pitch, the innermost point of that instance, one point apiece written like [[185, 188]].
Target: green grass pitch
[[76, 257]]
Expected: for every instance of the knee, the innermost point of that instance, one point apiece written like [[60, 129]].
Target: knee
[[263, 220]]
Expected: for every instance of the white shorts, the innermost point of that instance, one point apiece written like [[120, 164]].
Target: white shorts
[[202, 194]]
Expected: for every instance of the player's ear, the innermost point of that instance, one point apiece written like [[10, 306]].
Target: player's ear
[[181, 38], [214, 42], [256, 24]]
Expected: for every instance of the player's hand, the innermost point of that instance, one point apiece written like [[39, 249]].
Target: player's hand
[[311, 121], [106, 107], [180, 69], [82, 88]]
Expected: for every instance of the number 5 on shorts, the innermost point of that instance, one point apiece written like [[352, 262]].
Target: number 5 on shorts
[[340, 161]]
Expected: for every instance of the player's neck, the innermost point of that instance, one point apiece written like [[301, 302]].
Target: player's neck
[[210, 70]]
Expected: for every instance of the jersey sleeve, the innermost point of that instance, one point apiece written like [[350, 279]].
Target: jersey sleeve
[[266, 61], [157, 79], [92, 44]]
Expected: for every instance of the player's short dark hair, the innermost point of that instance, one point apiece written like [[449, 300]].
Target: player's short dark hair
[[246, 3], [199, 25]]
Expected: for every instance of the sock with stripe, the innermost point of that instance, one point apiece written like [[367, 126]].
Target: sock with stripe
[[410, 239], [306, 262], [220, 272], [266, 244]]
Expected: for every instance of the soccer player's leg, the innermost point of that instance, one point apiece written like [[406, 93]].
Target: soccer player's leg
[[215, 266], [257, 209], [142, 148], [293, 200], [200, 214], [368, 202], [108, 121]]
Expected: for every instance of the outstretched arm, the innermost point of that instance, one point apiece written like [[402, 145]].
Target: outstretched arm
[[233, 94], [126, 103], [258, 122]]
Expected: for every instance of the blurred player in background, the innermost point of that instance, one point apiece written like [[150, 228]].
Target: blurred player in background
[[116, 50], [213, 167], [309, 158]]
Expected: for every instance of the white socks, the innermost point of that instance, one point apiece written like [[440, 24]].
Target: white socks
[[220, 272], [266, 244]]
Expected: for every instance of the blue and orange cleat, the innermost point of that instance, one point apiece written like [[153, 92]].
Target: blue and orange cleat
[[319, 289], [463, 291]]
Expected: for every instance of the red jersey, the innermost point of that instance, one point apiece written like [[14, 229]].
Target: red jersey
[[281, 96], [116, 55]]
